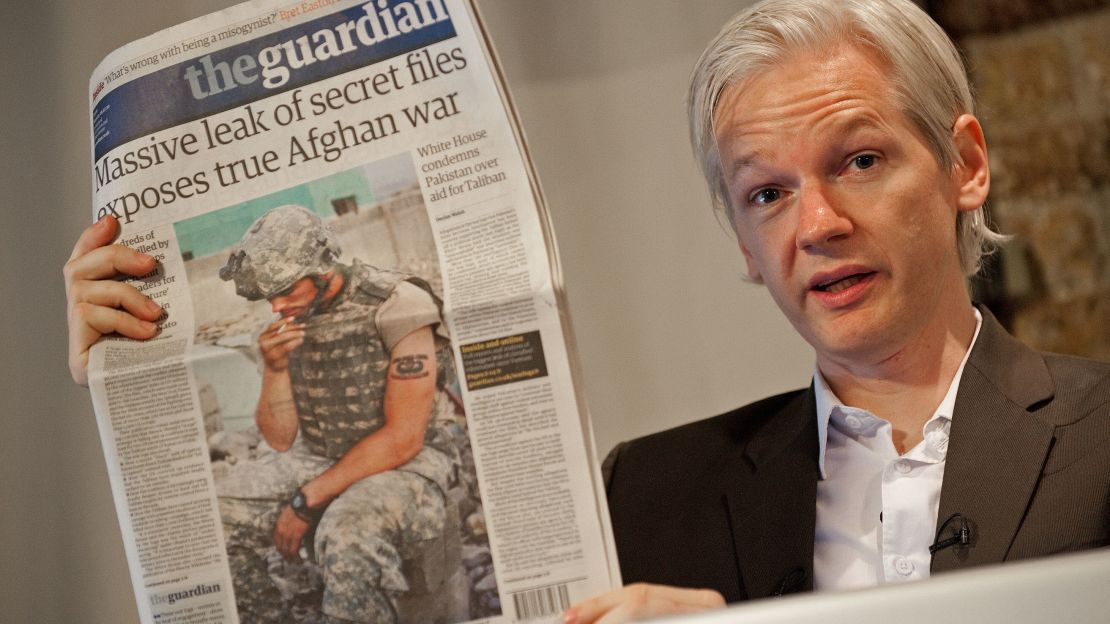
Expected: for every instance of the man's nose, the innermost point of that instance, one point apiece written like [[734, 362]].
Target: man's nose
[[820, 221], [277, 304]]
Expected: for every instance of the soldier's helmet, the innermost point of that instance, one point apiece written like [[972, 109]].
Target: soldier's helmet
[[281, 247]]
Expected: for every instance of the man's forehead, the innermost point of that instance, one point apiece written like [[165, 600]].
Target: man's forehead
[[836, 94], [803, 76], [739, 155]]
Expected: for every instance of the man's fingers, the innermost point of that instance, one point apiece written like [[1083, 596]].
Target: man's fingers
[[285, 336], [88, 322], [282, 351], [642, 600], [622, 614], [97, 320], [283, 325], [101, 263], [282, 343], [275, 352], [282, 545], [98, 304], [280, 333], [593, 609], [288, 550], [112, 294], [663, 604], [96, 235], [287, 535]]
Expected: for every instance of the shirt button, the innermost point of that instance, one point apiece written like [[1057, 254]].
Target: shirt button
[[903, 566], [853, 421], [902, 466]]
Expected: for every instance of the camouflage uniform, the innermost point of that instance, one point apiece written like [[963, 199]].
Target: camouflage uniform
[[362, 542], [339, 373]]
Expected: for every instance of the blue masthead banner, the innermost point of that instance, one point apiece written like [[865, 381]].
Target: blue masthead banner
[[265, 66]]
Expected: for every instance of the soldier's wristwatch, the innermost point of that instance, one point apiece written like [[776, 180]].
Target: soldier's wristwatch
[[299, 505]]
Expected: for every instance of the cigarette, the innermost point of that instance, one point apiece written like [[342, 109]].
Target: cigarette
[[288, 321]]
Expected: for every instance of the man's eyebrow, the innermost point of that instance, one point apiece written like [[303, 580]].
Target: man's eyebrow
[[858, 123], [841, 130], [746, 160]]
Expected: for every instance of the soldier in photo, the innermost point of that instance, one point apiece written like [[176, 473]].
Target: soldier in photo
[[356, 405]]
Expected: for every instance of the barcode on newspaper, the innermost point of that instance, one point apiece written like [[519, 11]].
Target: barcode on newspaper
[[540, 602]]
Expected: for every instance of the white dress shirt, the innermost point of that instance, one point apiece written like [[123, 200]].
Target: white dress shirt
[[876, 510]]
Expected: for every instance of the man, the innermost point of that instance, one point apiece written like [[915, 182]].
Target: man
[[354, 401], [838, 139]]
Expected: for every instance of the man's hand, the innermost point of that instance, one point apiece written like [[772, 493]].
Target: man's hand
[[276, 413], [96, 302], [280, 339], [641, 601], [288, 533]]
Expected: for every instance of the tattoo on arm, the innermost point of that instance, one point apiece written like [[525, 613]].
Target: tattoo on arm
[[409, 366]]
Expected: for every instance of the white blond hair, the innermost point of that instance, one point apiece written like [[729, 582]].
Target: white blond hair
[[926, 73]]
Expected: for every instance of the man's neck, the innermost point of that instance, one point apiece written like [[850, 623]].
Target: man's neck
[[905, 388]]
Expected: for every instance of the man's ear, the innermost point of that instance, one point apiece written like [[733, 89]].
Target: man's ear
[[332, 286], [753, 269], [971, 172]]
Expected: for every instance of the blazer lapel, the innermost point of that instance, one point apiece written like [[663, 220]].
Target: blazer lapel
[[997, 447], [770, 496]]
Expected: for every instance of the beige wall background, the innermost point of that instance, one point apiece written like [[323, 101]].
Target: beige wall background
[[668, 332]]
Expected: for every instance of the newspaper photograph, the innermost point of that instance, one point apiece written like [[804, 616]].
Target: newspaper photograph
[[361, 404]]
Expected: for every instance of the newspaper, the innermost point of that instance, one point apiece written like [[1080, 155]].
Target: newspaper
[[361, 403]]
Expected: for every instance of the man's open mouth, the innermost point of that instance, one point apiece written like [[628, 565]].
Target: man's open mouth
[[844, 283]]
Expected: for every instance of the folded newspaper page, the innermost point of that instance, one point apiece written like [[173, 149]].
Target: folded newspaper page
[[361, 404]]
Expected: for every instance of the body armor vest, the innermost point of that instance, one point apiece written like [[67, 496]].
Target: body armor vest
[[339, 374]]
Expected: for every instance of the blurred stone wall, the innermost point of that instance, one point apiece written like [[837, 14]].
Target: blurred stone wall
[[1041, 70]]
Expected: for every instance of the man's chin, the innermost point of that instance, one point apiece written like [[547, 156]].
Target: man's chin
[[846, 339]]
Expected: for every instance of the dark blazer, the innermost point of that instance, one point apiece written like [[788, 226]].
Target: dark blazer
[[728, 503]]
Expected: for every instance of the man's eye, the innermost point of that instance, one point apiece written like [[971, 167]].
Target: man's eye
[[864, 161], [765, 196]]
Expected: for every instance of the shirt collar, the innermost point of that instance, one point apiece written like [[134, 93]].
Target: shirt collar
[[827, 399]]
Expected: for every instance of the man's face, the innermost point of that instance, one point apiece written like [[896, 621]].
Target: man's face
[[840, 207], [295, 301]]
